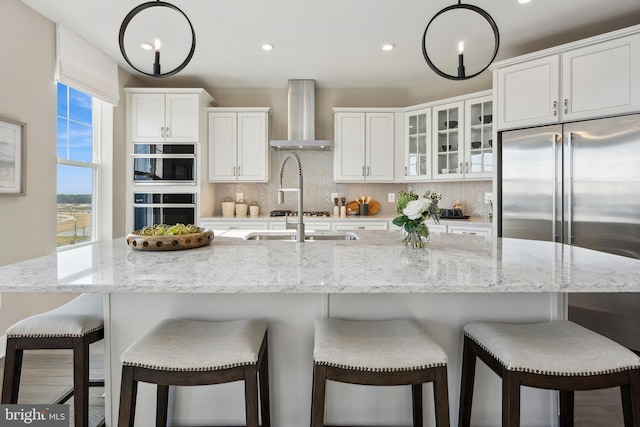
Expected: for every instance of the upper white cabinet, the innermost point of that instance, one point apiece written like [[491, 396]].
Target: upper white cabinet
[[592, 78], [164, 117], [238, 144], [478, 137], [417, 147], [448, 141], [364, 145]]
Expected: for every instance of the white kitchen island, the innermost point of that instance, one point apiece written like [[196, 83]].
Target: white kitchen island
[[454, 280]]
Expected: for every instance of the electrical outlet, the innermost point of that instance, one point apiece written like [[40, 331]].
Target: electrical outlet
[[239, 196], [488, 198], [391, 197], [333, 197]]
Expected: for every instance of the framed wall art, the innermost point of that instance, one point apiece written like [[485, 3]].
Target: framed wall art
[[13, 163]]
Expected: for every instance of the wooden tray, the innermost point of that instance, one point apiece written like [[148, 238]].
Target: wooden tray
[[169, 243]]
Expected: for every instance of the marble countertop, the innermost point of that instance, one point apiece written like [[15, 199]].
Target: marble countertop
[[479, 221], [376, 263]]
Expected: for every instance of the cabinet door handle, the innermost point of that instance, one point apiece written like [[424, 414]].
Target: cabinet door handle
[[234, 171], [361, 227], [460, 170], [466, 167], [566, 106], [162, 132], [238, 170], [363, 171], [555, 108], [368, 171], [168, 132], [405, 171]]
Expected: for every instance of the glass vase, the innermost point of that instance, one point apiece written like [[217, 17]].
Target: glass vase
[[413, 239]]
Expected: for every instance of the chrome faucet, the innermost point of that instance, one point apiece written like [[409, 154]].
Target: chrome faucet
[[300, 225]]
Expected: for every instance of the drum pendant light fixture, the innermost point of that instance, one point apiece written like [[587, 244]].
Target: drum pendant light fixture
[[162, 29], [469, 28]]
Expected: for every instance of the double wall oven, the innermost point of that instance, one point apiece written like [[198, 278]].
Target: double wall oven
[[164, 184]]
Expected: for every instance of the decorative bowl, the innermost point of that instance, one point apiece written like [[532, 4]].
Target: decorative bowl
[[446, 148], [169, 243], [451, 124], [475, 145]]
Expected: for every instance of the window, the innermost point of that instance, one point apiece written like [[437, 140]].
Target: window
[[78, 162]]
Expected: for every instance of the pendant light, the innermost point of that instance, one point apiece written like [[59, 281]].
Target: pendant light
[[164, 29], [473, 29]]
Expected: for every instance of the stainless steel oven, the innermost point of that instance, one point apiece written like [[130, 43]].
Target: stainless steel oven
[[163, 208], [164, 163]]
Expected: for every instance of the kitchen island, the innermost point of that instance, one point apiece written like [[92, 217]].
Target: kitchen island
[[454, 280]]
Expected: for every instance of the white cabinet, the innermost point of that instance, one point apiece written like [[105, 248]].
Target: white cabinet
[[470, 230], [478, 137], [234, 225], [364, 146], [448, 141], [164, 117], [417, 149], [356, 224], [576, 82], [238, 144], [602, 79]]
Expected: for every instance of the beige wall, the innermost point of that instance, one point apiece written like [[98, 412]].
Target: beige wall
[[28, 94]]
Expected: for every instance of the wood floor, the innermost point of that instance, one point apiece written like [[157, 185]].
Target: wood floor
[[46, 375]]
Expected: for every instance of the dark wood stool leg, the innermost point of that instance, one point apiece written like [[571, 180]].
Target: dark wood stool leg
[[251, 395], [416, 400], [162, 405], [631, 400], [81, 381], [318, 395], [466, 388], [265, 405], [12, 370], [128, 394], [567, 402], [441, 397], [510, 398]]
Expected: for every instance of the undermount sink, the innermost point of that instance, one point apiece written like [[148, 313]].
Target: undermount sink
[[309, 236]]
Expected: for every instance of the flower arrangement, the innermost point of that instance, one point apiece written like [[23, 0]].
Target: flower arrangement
[[415, 210]]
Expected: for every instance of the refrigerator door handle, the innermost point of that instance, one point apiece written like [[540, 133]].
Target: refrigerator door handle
[[554, 193], [569, 187]]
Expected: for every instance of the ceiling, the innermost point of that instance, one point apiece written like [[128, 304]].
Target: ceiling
[[336, 42]]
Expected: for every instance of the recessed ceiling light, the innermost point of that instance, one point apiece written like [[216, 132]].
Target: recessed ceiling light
[[388, 46], [523, 1], [267, 46]]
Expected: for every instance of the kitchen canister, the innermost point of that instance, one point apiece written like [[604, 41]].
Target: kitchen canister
[[254, 209], [241, 208], [228, 207]]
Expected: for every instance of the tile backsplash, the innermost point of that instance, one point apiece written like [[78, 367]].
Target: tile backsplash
[[318, 185]]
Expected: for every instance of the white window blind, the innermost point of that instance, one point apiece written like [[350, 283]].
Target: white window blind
[[85, 67]]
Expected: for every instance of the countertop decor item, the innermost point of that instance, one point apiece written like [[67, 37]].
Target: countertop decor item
[[471, 25], [415, 210], [169, 243], [173, 28]]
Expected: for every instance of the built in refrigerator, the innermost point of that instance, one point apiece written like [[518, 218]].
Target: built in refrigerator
[[578, 183]]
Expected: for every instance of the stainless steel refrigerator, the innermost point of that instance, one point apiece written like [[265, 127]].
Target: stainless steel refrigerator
[[578, 183]]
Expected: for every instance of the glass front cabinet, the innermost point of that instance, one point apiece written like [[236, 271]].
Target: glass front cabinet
[[479, 137], [463, 139], [418, 145], [448, 140]]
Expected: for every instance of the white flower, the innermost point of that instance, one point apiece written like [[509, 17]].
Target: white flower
[[415, 208]]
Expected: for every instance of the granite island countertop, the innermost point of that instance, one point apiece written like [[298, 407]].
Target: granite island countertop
[[376, 263]]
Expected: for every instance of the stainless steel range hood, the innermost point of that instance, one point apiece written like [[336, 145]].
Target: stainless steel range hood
[[302, 119]]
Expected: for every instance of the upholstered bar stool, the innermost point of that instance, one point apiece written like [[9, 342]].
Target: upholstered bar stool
[[380, 353], [189, 353], [74, 326], [558, 355]]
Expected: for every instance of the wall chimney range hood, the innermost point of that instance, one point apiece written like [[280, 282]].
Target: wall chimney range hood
[[302, 119]]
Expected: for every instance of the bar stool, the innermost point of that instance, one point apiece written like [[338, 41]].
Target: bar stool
[[381, 353], [188, 353], [558, 355], [73, 326]]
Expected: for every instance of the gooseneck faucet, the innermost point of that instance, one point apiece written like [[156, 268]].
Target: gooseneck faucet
[[300, 225]]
